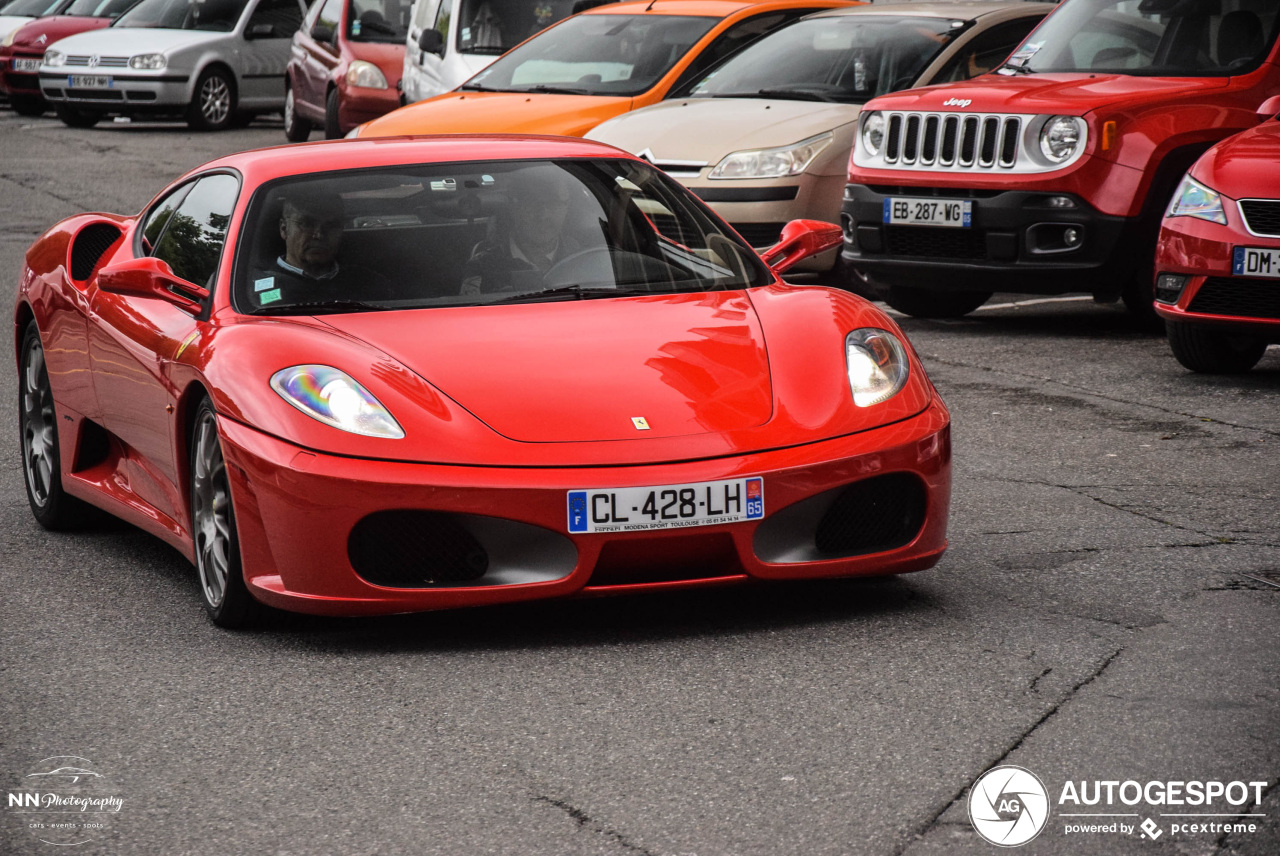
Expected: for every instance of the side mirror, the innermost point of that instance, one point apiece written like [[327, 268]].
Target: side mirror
[[1269, 108], [799, 240], [260, 31], [431, 41], [152, 278], [322, 33]]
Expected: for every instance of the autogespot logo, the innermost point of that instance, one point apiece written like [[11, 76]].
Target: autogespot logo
[[1008, 806]]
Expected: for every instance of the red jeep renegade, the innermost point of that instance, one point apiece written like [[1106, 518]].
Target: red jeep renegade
[[1051, 174]]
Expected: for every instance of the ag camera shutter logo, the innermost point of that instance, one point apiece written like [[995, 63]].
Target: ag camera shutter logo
[[1008, 806]]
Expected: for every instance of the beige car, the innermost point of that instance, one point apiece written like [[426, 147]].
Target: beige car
[[765, 137]]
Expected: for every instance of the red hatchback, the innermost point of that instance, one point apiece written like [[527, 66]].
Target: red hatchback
[[345, 65], [1218, 259]]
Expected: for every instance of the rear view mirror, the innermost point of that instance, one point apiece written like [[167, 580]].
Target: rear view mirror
[[430, 41], [801, 239], [1269, 108], [322, 33], [152, 278]]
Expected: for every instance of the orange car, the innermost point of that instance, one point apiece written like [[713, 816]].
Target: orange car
[[591, 67]]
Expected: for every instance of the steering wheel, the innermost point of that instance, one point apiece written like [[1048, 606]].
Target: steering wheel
[[594, 264]]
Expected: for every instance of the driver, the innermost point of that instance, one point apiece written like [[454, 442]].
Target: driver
[[529, 239], [307, 270]]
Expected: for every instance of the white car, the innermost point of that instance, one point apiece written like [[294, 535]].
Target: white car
[[211, 62]]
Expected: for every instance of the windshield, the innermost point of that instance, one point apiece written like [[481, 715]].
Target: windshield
[[1166, 38], [495, 26], [30, 8], [481, 233], [99, 8], [379, 21], [851, 59], [216, 15], [596, 55]]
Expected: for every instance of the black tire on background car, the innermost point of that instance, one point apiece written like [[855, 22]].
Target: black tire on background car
[[74, 117], [1203, 349], [934, 303], [332, 130], [296, 128], [28, 105], [53, 507], [1139, 296], [213, 101], [219, 571]]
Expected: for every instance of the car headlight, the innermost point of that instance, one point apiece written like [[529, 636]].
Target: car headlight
[[366, 75], [1193, 199], [54, 58], [8, 40], [873, 133], [148, 62], [772, 163], [877, 365], [1060, 137], [335, 399]]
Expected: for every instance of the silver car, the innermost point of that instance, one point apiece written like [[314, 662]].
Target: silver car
[[211, 62]]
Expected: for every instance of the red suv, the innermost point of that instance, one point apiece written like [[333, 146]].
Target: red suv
[[1051, 174], [345, 65]]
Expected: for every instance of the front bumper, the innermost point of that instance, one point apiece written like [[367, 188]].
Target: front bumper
[[357, 105], [18, 82], [295, 512], [168, 93]]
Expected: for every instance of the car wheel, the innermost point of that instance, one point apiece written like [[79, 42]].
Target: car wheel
[[1203, 349], [213, 107], [934, 303], [28, 105], [1139, 295], [332, 130], [213, 528], [296, 128], [53, 507], [73, 117]]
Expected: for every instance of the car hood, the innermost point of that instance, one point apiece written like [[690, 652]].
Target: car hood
[[1243, 166], [55, 28], [688, 364], [499, 113], [1072, 94], [707, 129], [127, 41]]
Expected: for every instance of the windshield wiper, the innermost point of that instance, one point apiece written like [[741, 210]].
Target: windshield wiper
[[783, 94], [475, 87], [571, 292], [321, 307], [1020, 68], [554, 90]]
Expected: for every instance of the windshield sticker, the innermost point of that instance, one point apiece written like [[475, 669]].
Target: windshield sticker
[[264, 284], [268, 297], [1023, 54], [355, 28]]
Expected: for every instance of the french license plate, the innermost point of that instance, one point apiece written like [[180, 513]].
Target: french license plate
[[673, 506], [26, 65], [1255, 261], [88, 81], [901, 211]]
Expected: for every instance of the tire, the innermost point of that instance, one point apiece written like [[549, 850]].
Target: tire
[[1203, 349], [219, 571], [934, 303], [74, 117], [1139, 296], [332, 130], [296, 128], [28, 105], [213, 102], [53, 507]]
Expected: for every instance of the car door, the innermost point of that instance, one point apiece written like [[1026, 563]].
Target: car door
[[133, 340], [429, 68], [321, 56], [265, 51]]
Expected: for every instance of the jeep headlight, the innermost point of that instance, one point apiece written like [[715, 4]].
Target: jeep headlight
[[1060, 137], [365, 75], [772, 163], [148, 62], [877, 365], [1193, 199], [54, 58], [873, 133]]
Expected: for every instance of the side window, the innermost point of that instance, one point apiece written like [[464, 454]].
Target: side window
[[985, 51], [424, 14], [729, 42], [192, 243], [442, 18], [330, 16], [284, 17], [154, 225]]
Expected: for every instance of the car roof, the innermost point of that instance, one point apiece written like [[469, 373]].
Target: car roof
[[260, 165], [959, 10]]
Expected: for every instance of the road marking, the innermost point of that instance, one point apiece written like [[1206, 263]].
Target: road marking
[[1037, 301]]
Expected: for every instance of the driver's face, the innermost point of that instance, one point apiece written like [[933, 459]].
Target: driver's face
[[312, 235], [540, 218]]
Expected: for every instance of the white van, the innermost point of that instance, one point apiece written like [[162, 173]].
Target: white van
[[451, 40]]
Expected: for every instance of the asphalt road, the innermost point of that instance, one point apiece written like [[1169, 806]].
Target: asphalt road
[[1094, 619]]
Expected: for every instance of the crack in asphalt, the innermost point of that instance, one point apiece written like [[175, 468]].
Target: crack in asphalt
[[1039, 379], [80, 205], [1034, 686], [923, 828], [586, 821], [1221, 843]]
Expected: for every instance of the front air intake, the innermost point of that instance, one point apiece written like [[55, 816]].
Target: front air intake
[[415, 549], [89, 246], [869, 516]]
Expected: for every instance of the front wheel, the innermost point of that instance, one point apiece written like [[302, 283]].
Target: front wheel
[[213, 528], [296, 128], [332, 127], [74, 117], [28, 105], [213, 106], [1203, 349], [934, 303]]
